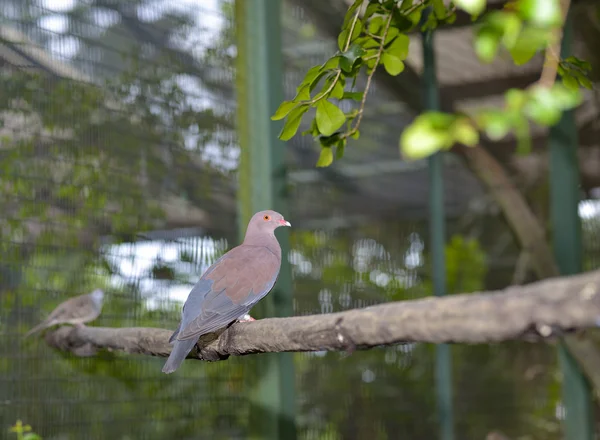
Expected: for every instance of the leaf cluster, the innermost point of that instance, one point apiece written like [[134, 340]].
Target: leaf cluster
[[376, 33]]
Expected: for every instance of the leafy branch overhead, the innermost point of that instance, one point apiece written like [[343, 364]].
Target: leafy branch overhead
[[375, 33]]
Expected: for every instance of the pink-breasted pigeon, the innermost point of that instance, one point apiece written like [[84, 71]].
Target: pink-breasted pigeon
[[230, 287], [75, 311]]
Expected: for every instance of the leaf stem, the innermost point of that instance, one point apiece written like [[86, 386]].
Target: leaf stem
[[354, 20], [326, 92]]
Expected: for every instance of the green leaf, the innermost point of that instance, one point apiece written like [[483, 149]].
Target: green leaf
[[339, 151], [427, 134], [369, 43], [570, 82], [329, 117], [325, 158], [399, 48], [530, 40], [438, 120], [565, 97], [292, 123], [338, 90], [302, 93], [515, 99], [582, 79], [331, 63], [356, 96], [473, 7], [487, 42], [522, 53], [465, 133], [376, 25], [391, 34], [417, 142], [511, 29], [373, 8], [350, 56], [543, 13], [392, 64], [450, 19], [352, 11], [582, 64], [438, 8], [542, 107], [400, 21], [523, 137], [312, 74], [329, 141], [495, 123], [415, 16], [343, 39], [313, 130], [283, 110]]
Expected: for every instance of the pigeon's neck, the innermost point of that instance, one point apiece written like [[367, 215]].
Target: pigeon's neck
[[265, 240]]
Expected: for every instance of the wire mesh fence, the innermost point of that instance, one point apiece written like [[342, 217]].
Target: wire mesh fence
[[118, 159], [115, 123]]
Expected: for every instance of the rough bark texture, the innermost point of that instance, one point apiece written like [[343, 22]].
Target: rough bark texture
[[533, 312]]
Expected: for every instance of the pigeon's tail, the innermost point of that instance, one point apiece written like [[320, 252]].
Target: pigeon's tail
[[178, 354], [37, 328]]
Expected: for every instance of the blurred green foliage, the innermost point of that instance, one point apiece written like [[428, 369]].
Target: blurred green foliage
[[24, 432], [375, 33]]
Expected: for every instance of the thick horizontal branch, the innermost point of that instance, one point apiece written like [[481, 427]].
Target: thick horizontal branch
[[536, 311]]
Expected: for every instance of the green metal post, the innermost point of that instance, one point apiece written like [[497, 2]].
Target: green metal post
[[443, 361], [566, 227], [262, 186]]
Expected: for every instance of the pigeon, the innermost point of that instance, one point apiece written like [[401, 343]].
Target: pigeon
[[230, 287], [76, 311]]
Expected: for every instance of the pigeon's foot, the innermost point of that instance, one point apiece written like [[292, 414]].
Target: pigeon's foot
[[246, 318]]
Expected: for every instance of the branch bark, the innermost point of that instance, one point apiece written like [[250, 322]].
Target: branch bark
[[534, 312]]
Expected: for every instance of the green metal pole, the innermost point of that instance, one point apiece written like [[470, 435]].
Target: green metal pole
[[566, 227], [262, 182], [443, 361]]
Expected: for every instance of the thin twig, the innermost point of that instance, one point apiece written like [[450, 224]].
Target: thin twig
[[354, 20], [321, 95], [363, 101]]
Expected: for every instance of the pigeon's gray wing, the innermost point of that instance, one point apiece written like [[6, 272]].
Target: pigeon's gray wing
[[228, 290]]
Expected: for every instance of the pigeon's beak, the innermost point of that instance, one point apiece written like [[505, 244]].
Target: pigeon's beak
[[283, 222]]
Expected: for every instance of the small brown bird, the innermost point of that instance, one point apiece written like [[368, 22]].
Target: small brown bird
[[75, 311]]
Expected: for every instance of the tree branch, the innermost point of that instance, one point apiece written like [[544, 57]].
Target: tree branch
[[534, 312], [552, 55]]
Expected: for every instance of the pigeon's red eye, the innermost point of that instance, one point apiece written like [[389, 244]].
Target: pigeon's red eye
[[267, 218]]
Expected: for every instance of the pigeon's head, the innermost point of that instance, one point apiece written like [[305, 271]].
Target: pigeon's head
[[266, 221], [97, 296]]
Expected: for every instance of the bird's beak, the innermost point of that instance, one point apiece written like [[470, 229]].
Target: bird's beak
[[283, 222]]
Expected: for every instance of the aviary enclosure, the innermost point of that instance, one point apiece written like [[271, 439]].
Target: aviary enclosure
[[136, 140]]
